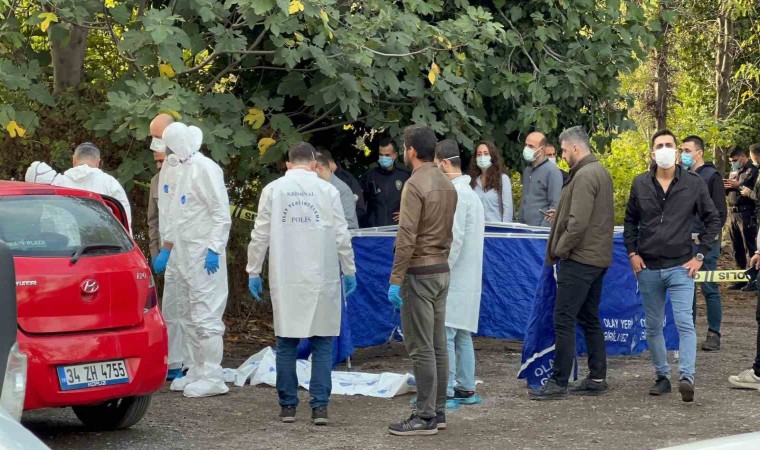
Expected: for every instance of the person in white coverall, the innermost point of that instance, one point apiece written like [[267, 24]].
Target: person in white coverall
[[53, 219], [170, 301], [300, 219], [466, 264], [197, 233], [86, 175]]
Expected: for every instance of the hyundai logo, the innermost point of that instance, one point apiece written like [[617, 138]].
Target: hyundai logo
[[90, 286]]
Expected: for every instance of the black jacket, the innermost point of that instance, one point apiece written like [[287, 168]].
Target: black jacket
[[382, 192], [348, 178], [747, 175], [714, 182], [658, 224]]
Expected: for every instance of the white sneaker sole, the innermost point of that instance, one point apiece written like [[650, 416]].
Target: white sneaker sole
[[742, 385], [414, 433]]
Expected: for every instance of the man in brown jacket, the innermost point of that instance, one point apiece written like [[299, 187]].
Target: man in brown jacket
[[153, 233], [581, 241], [420, 278]]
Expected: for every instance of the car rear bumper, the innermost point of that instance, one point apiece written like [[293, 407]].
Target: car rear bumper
[[143, 347]]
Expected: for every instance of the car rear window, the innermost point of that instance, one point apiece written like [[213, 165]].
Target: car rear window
[[59, 226]]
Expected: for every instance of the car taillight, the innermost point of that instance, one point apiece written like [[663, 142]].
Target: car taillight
[[152, 299], [14, 384]]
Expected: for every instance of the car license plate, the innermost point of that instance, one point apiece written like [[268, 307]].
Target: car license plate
[[82, 376]]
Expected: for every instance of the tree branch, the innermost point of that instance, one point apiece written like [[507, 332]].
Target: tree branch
[[201, 65], [522, 41], [335, 125], [402, 55], [318, 119]]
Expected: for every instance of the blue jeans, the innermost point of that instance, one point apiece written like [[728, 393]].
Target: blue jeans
[[653, 284], [711, 292], [320, 384], [461, 360]]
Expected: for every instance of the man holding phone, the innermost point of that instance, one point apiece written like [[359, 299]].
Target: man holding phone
[[743, 227]]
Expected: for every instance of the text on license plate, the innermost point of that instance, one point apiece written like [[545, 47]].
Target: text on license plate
[[82, 376]]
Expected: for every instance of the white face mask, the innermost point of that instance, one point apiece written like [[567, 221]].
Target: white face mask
[[553, 160], [665, 157], [484, 162], [529, 154], [158, 145]]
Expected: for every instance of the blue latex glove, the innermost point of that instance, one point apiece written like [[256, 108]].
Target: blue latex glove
[[394, 296], [256, 287], [212, 262], [160, 261], [349, 284]]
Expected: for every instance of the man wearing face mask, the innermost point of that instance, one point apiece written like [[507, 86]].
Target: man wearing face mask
[[551, 155], [382, 187], [542, 183], [692, 158], [657, 234], [742, 224]]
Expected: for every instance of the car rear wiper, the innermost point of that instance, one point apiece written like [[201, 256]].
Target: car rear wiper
[[86, 248]]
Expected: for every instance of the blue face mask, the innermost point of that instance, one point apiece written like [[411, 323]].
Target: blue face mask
[[735, 165], [687, 160], [385, 161]]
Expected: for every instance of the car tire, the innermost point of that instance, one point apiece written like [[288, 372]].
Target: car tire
[[114, 414]]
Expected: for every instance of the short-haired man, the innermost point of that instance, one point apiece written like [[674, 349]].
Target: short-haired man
[[382, 187], [551, 154], [346, 196], [741, 219], [466, 264], [581, 241], [300, 220], [657, 234], [86, 175], [541, 180], [692, 158], [421, 269], [348, 178]]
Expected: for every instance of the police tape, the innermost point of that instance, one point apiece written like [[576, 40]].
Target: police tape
[[721, 276], [236, 212]]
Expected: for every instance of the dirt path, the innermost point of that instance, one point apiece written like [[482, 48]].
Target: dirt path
[[626, 418]]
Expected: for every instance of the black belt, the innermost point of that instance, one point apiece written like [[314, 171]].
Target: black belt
[[741, 208]]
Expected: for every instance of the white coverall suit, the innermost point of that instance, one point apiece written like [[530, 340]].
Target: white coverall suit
[[200, 221], [170, 305]]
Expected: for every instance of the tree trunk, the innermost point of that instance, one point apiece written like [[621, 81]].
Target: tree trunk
[[68, 59], [724, 59], [661, 78]]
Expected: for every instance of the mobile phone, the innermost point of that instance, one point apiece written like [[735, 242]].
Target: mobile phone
[[751, 273], [543, 211]]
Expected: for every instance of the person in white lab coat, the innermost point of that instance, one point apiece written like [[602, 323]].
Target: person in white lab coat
[[300, 219], [196, 235], [170, 301], [466, 264], [86, 175]]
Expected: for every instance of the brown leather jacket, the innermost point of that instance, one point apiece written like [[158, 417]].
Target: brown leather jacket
[[428, 203]]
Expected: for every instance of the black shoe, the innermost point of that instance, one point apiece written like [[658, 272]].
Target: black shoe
[[550, 391], [288, 414], [661, 386], [462, 394], [686, 388], [750, 287], [440, 420], [413, 426], [590, 387], [737, 286], [319, 415], [712, 342]]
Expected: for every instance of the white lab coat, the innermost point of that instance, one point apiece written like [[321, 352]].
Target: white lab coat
[[300, 219], [95, 180], [167, 185], [466, 259]]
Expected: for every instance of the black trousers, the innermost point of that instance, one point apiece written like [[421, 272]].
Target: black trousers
[[756, 366], [579, 289], [743, 230]]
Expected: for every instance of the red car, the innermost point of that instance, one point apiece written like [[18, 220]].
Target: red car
[[87, 306]]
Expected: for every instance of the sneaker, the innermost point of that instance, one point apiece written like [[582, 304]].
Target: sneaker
[[590, 387], [467, 397], [173, 374], [745, 380], [413, 426], [686, 388], [749, 287], [288, 414], [712, 342], [661, 386], [440, 420], [550, 391], [737, 286], [319, 415]]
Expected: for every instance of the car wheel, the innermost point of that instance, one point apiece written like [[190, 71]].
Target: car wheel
[[113, 414]]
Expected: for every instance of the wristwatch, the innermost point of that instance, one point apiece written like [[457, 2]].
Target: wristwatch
[[699, 257]]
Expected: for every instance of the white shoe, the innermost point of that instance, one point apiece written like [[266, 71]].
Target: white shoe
[[205, 388], [745, 380]]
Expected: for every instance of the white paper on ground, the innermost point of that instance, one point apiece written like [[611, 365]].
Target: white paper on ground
[[261, 369]]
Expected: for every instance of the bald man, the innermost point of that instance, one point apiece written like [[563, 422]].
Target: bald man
[[542, 183], [157, 127]]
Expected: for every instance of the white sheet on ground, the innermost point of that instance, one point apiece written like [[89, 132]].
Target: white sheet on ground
[[261, 369]]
